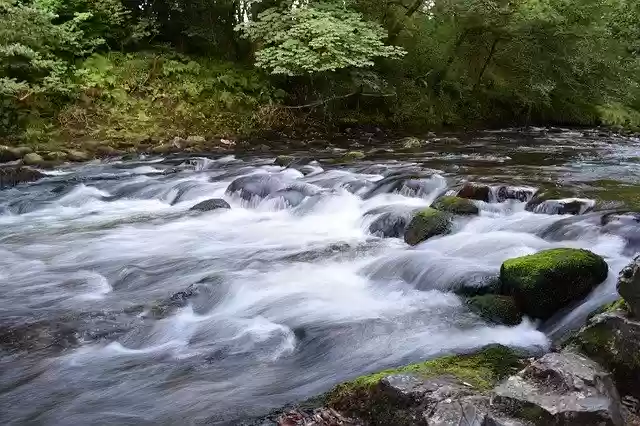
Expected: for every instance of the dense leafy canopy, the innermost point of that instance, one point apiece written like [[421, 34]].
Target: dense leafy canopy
[[422, 63]]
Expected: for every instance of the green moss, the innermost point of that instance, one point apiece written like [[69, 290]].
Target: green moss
[[496, 308], [283, 160], [456, 205], [352, 156], [547, 281], [425, 224]]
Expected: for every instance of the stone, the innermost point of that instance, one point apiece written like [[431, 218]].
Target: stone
[[628, 286], [495, 308], [32, 159], [573, 206], [256, 186], [412, 143], [475, 191], [613, 339], [518, 193], [408, 183], [14, 175], [563, 388], [10, 153], [456, 205], [164, 148], [352, 156], [195, 139], [547, 281], [212, 204], [78, 156], [425, 224], [106, 151], [284, 160], [56, 156]]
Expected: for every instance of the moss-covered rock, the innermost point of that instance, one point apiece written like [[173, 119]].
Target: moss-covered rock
[[76, 155], [352, 156], [283, 160], [475, 191], [370, 399], [456, 205], [546, 282], [56, 156], [496, 308], [33, 159], [425, 224]]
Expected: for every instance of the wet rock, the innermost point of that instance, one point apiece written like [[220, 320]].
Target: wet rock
[[294, 194], [78, 156], [545, 282], [411, 143], [212, 204], [37, 336], [574, 206], [409, 183], [106, 151], [496, 309], [283, 160], [13, 175], [518, 193], [475, 191], [33, 159], [9, 153], [352, 156], [626, 225], [56, 156], [195, 139], [456, 205], [447, 140], [629, 286], [165, 148], [256, 186], [613, 339], [391, 222], [561, 389], [426, 224]]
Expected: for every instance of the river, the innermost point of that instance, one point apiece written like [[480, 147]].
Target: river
[[119, 305]]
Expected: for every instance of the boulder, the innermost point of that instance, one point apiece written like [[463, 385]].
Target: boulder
[[255, 186], [10, 153], [195, 139], [212, 204], [284, 160], [352, 156], [409, 183], [613, 339], [518, 193], [56, 156], [629, 286], [456, 205], [475, 191], [496, 309], [545, 282], [437, 392], [411, 143], [563, 388], [32, 159], [13, 175], [78, 156], [165, 148], [425, 224], [574, 206]]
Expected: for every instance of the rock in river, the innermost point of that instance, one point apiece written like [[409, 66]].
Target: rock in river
[[629, 286], [456, 205], [425, 224], [212, 204], [545, 282]]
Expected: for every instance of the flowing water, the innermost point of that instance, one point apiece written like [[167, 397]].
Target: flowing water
[[119, 305]]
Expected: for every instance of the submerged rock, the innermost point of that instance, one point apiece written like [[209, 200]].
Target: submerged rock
[[545, 282], [496, 308], [392, 220], [456, 205], [212, 204], [409, 183], [425, 224], [629, 286], [561, 389], [255, 186]]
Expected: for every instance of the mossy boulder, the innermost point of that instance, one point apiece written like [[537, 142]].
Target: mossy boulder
[[456, 205], [11, 153], [56, 156], [496, 308], [545, 282], [352, 156], [628, 286], [33, 159], [425, 224], [284, 160], [75, 155], [400, 396]]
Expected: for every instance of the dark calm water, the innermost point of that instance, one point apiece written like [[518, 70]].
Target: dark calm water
[[120, 306]]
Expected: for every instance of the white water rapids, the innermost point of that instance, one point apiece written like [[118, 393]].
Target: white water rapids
[[127, 308]]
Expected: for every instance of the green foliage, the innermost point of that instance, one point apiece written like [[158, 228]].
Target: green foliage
[[316, 38]]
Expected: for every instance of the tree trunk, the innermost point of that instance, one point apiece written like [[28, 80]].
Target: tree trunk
[[492, 51]]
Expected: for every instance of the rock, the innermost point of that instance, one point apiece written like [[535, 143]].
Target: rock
[[409, 183], [545, 282], [32, 159], [284, 160], [475, 191], [212, 204], [496, 309], [106, 151], [256, 186], [519, 193], [613, 339], [195, 139], [447, 140], [456, 205], [352, 156], [625, 225], [425, 224], [78, 156], [164, 148], [629, 286], [563, 388], [411, 143], [574, 206], [418, 394], [10, 153], [392, 221], [13, 175], [57, 156]]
